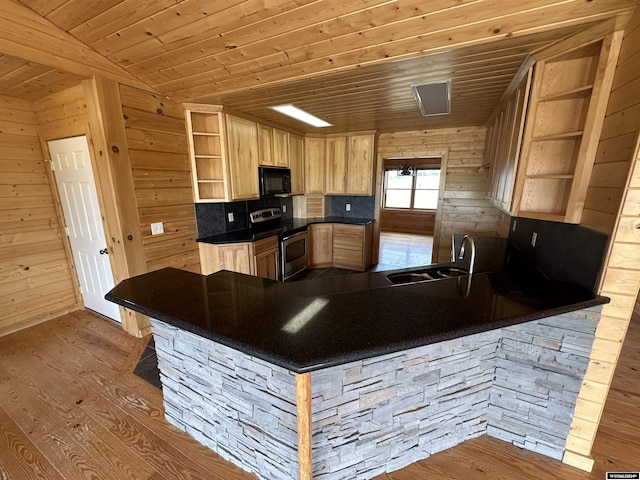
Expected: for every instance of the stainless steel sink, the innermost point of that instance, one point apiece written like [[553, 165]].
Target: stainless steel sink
[[447, 272], [426, 274]]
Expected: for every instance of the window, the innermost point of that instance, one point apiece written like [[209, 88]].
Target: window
[[418, 191]]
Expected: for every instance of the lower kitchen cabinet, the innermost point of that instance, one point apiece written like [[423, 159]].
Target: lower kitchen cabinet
[[265, 258], [320, 245], [252, 258], [352, 246], [340, 245]]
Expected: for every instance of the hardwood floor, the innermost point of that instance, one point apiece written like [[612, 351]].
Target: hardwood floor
[[70, 408], [399, 250]]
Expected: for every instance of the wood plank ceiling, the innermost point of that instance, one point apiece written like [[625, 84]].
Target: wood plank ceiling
[[352, 63]]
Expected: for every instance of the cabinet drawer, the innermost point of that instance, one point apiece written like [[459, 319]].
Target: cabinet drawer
[[265, 244], [348, 237]]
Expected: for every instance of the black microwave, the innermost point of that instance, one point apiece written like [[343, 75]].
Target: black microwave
[[274, 181]]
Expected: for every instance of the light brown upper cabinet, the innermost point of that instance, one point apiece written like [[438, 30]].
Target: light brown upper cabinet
[[209, 168], [280, 148], [361, 164], [224, 154], [242, 137], [336, 165], [296, 163], [314, 164], [274, 146], [504, 143], [265, 137], [346, 161], [564, 117]]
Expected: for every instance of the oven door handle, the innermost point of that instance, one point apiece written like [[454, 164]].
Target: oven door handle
[[295, 235]]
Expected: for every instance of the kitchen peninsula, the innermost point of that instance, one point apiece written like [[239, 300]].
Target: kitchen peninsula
[[352, 377]]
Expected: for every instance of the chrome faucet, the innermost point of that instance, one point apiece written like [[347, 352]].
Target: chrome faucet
[[463, 248]]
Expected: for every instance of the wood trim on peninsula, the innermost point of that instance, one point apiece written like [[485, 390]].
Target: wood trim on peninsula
[[303, 403]]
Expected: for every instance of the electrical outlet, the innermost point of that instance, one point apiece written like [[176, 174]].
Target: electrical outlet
[[230, 217], [284, 209], [515, 222], [534, 238], [347, 207], [157, 228]]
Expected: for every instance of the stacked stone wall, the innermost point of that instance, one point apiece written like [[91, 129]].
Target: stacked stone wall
[[518, 383], [539, 371], [239, 406]]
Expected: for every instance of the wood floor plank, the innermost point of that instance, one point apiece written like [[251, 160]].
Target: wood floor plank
[[71, 408], [108, 404], [20, 457]]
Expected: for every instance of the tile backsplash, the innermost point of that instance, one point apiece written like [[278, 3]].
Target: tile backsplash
[[361, 207], [562, 251], [213, 218]]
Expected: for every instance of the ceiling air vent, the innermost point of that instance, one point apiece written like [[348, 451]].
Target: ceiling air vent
[[433, 98]]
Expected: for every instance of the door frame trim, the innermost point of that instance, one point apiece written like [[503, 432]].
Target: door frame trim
[[46, 135]]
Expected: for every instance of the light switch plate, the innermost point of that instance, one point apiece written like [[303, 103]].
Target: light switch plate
[[534, 239], [157, 228], [284, 209]]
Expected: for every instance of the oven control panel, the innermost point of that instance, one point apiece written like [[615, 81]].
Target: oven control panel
[[265, 215]]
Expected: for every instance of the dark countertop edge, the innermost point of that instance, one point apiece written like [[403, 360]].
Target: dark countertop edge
[[245, 235], [362, 354]]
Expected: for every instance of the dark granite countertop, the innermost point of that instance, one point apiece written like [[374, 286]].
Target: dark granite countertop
[[286, 226], [308, 325]]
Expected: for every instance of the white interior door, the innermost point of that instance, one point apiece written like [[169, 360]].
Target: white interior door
[[79, 199]]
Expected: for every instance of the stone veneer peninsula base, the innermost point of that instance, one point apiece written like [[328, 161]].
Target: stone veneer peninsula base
[[364, 418]]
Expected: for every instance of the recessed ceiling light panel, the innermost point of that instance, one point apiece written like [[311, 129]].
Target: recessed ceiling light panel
[[299, 114], [433, 98]]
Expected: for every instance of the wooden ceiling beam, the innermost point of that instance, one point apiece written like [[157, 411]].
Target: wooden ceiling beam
[[27, 35]]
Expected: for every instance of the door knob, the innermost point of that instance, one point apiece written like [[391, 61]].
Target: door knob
[[103, 251]]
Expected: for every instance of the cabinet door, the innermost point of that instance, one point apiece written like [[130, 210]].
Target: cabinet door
[[243, 158], [235, 257], [336, 165], [504, 139], [314, 160], [266, 264], [280, 148], [348, 246], [321, 245], [296, 163], [266, 145], [265, 258], [361, 165]]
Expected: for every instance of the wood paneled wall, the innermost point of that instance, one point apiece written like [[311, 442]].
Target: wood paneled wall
[[157, 142], [36, 281], [407, 221], [613, 206], [464, 208], [504, 223]]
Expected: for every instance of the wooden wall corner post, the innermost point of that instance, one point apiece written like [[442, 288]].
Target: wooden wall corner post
[[303, 404], [116, 181], [582, 462]]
